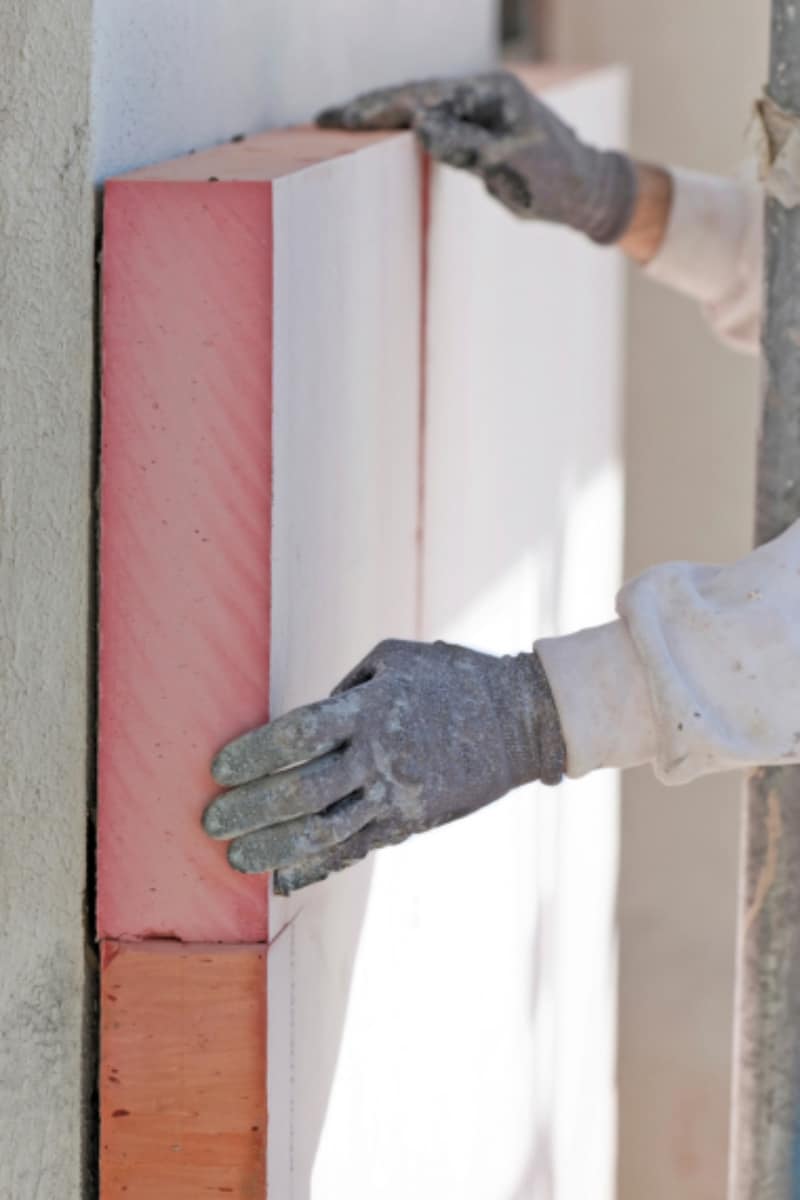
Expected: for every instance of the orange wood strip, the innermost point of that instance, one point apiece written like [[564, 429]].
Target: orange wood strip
[[182, 1072], [185, 546]]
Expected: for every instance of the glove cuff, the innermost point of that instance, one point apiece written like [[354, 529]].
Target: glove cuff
[[529, 723], [601, 692], [610, 209], [552, 751]]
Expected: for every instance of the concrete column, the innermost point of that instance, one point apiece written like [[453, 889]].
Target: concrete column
[[46, 248]]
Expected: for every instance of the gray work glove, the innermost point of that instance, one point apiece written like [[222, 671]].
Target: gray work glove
[[526, 155], [416, 736]]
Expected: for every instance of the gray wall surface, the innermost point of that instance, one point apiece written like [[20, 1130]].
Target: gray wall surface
[[691, 427], [46, 251]]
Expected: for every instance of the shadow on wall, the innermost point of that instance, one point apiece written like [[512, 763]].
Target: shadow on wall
[[466, 983], [333, 916]]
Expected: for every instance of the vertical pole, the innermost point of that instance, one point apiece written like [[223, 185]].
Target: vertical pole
[[765, 1157]]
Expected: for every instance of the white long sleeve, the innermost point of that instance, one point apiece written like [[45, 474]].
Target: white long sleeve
[[700, 674], [713, 250]]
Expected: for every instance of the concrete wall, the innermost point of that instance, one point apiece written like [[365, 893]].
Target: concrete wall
[[46, 274], [690, 454]]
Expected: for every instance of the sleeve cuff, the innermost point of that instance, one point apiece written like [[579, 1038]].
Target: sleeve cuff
[[601, 693], [708, 226]]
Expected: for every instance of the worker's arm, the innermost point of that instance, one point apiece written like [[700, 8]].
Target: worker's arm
[[716, 652], [711, 250], [698, 234], [700, 673]]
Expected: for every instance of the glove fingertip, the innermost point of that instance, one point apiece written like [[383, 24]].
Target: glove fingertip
[[332, 118], [292, 879], [450, 141], [222, 770], [239, 761], [213, 823], [280, 885], [243, 861]]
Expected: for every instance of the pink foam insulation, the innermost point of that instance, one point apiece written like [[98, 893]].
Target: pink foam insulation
[[186, 522], [185, 545]]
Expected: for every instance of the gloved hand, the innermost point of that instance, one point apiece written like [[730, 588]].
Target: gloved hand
[[527, 156], [416, 736]]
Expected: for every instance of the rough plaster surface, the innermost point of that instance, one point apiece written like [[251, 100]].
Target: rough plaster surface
[[170, 78], [45, 447], [690, 437]]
